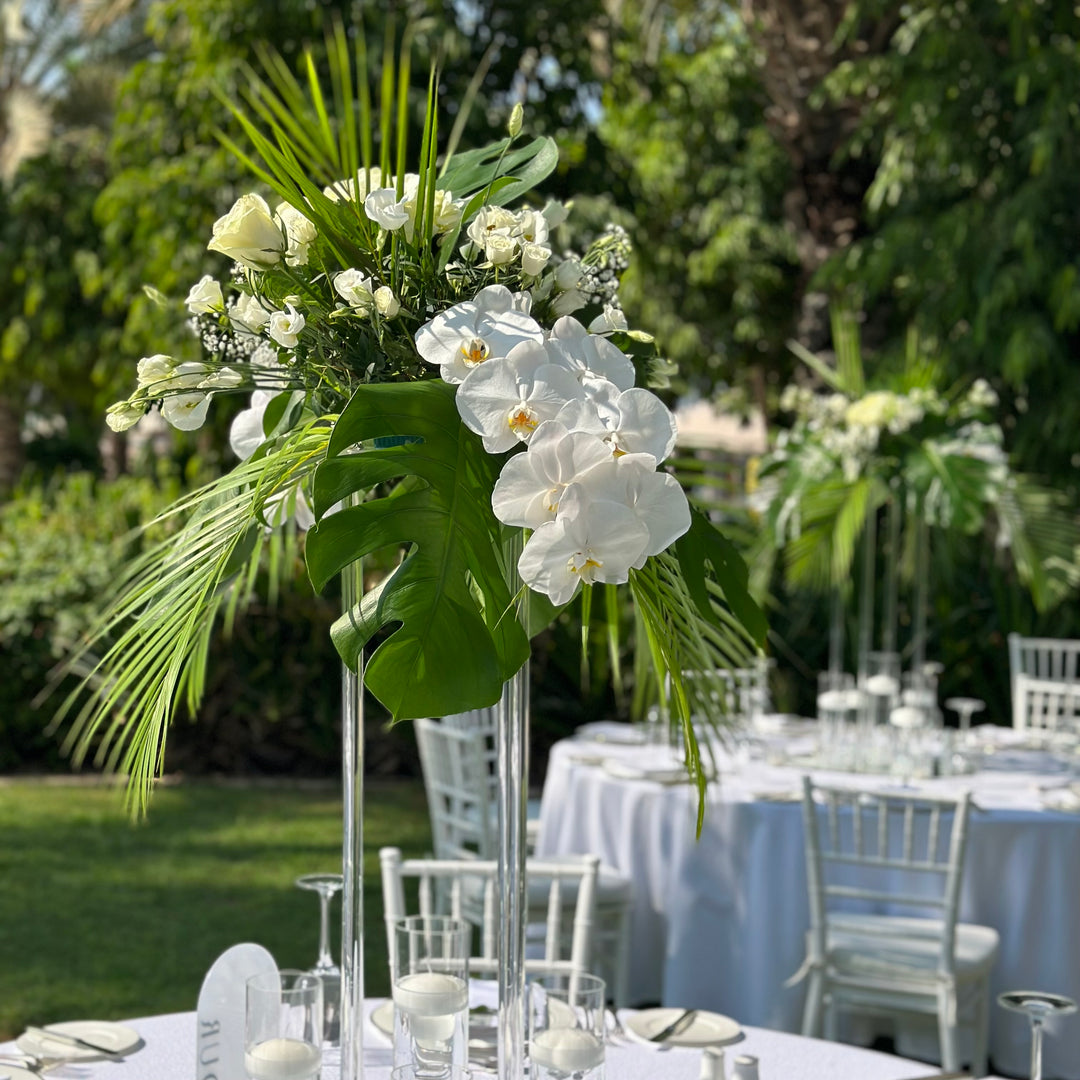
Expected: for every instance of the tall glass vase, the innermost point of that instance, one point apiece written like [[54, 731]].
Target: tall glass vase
[[512, 747], [352, 850]]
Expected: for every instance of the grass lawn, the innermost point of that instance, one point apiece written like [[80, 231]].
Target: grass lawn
[[101, 918]]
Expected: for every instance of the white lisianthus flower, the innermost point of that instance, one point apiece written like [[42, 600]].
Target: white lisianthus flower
[[464, 336], [356, 289], [386, 303], [205, 296], [386, 210], [299, 232], [534, 258], [124, 414], [633, 422], [249, 235], [506, 401], [186, 376], [153, 371], [656, 498], [613, 318], [500, 250], [530, 485], [187, 412], [285, 327], [490, 221], [530, 226], [447, 212], [247, 314], [223, 379], [568, 274], [589, 356], [589, 541], [982, 395], [555, 213]]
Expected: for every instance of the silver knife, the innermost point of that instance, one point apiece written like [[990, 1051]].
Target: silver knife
[[74, 1040], [679, 1024]]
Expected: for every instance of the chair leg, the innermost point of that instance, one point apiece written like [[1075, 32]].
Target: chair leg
[[948, 1029], [621, 963], [980, 1032], [832, 1019], [811, 1025]]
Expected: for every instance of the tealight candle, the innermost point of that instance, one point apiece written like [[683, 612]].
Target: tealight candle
[[566, 1049], [882, 685], [282, 1059]]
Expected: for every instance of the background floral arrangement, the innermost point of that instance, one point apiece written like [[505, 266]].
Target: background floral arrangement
[[419, 380]]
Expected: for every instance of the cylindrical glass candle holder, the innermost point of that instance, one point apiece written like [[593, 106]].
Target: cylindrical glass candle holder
[[566, 1027], [283, 1026], [430, 986]]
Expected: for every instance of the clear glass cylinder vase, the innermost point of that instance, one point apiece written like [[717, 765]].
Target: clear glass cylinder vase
[[352, 851], [512, 747]]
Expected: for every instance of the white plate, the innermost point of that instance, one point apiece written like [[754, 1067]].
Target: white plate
[[382, 1016], [624, 770], [608, 731], [17, 1072], [116, 1037], [706, 1029]]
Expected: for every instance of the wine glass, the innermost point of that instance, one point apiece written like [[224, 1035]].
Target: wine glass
[[283, 1023], [326, 885], [965, 708], [1038, 1007]]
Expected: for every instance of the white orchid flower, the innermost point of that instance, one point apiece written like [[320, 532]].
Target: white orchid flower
[[285, 326], [590, 357], [656, 498], [356, 289], [461, 338], [385, 208], [186, 411], [205, 296], [531, 485], [635, 421], [506, 401], [589, 541]]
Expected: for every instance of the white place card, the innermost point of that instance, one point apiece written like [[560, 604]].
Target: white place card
[[220, 1033]]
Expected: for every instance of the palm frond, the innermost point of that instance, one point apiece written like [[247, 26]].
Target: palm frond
[[157, 625]]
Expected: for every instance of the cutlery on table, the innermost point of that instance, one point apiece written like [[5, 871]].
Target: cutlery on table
[[617, 1030], [676, 1027], [74, 1040]]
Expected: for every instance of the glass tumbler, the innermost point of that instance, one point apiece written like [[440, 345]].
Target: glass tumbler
[[283, 1026]]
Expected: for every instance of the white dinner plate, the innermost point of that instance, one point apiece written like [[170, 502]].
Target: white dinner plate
[[706, 1029], [624, 770], [17, 1072], [618, 734], [118, 1038]]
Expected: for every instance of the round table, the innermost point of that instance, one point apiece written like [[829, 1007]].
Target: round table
[[719, 922], [169, 1054]]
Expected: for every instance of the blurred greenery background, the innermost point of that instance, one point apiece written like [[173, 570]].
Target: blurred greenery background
[[918, 162]]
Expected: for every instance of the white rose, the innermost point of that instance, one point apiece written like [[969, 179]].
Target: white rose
[[285, 327], [386, 303], [154, 369], [248, 234], [205, 296], [500, 250], [534, 258], [299, 231]]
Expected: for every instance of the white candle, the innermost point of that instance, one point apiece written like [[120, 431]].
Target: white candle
[[282, 1059], [431, 1001], [882, 685], [566, 1049]]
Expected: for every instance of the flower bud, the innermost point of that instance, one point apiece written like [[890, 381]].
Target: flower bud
[[517, 114]]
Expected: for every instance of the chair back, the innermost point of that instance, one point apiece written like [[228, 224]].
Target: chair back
[[881, 852], [462, 879], [458, 781], [1044, 658], [1045, 704]]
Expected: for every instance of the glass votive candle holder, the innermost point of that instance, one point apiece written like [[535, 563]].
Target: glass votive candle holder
[[283, 1026], [430, 987], [566, 1027]]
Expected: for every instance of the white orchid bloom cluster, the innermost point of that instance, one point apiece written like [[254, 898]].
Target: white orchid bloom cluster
[[588, 485]]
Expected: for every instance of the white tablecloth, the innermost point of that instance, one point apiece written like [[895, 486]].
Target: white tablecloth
[[719, 923], [169, 1054]]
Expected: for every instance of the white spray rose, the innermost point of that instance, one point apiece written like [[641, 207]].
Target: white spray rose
[[247, 314], [299, 232], [205, 296], [534, 258], [285, 327], [356, 289], [386, 303]]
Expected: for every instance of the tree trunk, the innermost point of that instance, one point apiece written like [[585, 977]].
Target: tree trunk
[[11, 447]]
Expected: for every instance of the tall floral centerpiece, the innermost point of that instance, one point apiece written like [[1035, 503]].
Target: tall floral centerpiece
[[426, 373], [913, 458]]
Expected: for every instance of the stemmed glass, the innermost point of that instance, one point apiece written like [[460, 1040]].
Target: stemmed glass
[[1039, 1008], [326, 885]]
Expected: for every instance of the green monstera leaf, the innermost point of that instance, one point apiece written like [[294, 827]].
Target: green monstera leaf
[[457, 638]]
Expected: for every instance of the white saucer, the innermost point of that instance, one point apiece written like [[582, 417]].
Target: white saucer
[[706, 1029], [115, 1037], [382, 1017]]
